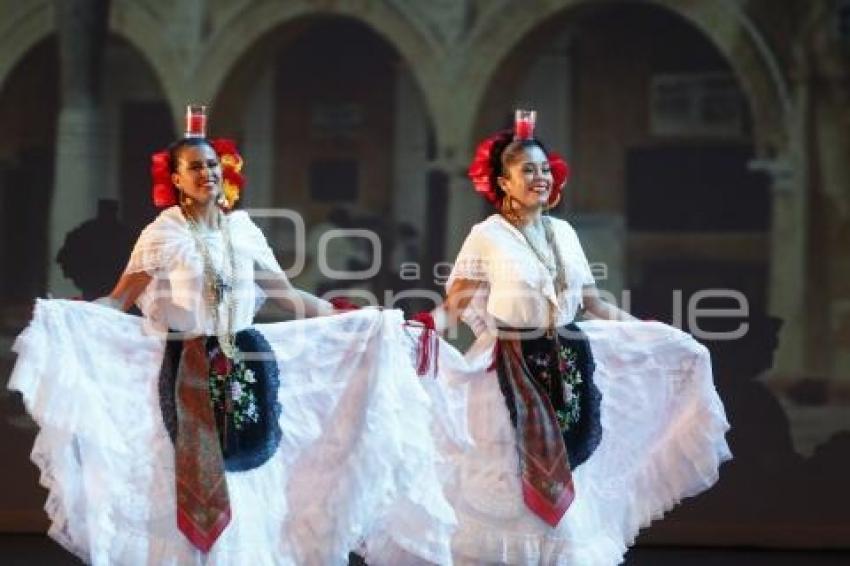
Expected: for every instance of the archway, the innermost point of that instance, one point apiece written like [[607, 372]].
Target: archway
[[29, 105], [332, 121], [660, 136]]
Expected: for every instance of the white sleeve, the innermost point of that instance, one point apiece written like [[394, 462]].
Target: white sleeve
[[159, 246], [576, 259], [250, 240], [472, 261]]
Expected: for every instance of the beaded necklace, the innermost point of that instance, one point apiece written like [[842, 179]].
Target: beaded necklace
[[218, 287]]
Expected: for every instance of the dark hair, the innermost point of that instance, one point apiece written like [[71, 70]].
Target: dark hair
[[175, 148], [505, 151]]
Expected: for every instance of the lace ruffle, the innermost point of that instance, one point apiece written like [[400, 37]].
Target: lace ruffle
[[663, 440], [356, 459]]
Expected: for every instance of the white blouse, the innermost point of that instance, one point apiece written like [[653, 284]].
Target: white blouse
[[175, 299], [519, 289]]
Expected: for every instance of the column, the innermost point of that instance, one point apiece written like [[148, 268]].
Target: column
[[80, 145], [410, 157], [258, 143], [788, 280]]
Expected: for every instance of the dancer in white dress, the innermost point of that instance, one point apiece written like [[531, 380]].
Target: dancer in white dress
[[583, 432], [286, 443]]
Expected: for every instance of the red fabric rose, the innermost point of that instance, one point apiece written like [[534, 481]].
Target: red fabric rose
[[234, 177], [224, 146], [481, 172], [164, 194], [560, 175]]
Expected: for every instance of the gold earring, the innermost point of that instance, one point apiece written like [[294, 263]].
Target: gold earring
[[185, 200], [508, 210]]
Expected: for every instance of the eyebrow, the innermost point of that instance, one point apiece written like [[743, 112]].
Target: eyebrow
[[200, 161]]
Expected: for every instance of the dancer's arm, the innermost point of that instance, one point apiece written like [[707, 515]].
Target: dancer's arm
[[300, 303], [458, 296], [126, 291], [596, 307]]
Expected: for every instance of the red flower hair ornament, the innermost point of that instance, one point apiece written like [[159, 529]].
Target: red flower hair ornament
[[482, 170], [163, 191]]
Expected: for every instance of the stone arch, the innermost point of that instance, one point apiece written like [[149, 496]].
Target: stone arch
[[258, 74], [777, 120], [36, 20], [236, 37], [755, 67], [141, 30], [24, 30]]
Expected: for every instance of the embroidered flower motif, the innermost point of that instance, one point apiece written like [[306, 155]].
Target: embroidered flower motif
[[568, 394], [220, 364], [231, 386], [564, 366]]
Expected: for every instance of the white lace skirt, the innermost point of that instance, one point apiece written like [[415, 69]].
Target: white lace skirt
[[356, 461], [663, 440]]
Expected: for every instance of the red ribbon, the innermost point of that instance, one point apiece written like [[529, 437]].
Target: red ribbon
[[497, 352], [429, 344], [342, 304]]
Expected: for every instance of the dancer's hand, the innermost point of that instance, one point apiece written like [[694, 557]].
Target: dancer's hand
[[108, 302], [343, 304]]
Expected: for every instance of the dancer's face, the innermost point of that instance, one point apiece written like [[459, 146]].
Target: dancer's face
[[198, 173], [528, 178]]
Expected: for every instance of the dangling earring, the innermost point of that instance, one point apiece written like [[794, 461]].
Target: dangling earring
[[508, 210], [185, 200]]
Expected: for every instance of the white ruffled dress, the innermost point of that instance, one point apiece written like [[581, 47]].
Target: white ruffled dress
[[356, 460], [663, 423]]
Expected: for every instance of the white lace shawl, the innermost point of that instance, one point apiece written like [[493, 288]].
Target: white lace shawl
[[174, 299], [518, 289]]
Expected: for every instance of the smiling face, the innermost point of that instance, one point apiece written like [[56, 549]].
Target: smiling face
[[528, 178], [197, 173]]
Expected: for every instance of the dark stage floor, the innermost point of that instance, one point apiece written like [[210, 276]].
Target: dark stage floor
[[26, 550]]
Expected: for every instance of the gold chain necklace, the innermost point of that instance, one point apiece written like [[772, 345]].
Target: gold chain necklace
[[556, 271], [218, 287], [548, 262]]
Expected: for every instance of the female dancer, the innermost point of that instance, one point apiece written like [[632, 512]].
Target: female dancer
[[192, 436], [583, 432]]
